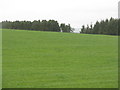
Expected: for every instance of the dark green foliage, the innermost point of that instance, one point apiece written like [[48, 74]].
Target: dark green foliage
[[119, 27], [37, 25], [65, 28], [107, 27]]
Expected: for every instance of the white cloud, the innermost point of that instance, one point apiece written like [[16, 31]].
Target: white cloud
[[75, 12]]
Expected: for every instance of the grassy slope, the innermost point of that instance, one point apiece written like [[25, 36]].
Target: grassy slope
[[0, 58], [51, 59]]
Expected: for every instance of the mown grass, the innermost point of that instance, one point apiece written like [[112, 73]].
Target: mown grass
[[0, 58], [33, 59]]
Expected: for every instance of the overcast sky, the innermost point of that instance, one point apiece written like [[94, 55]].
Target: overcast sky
[[75, 12]]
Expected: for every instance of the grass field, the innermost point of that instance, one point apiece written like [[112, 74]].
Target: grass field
[[0, 58], [34, 59]]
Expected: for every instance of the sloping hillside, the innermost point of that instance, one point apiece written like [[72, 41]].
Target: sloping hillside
[[34, 59]]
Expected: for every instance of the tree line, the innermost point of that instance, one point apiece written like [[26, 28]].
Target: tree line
[[107, 27], [37, 25]]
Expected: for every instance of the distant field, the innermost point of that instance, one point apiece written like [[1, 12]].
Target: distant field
[[34, 59]]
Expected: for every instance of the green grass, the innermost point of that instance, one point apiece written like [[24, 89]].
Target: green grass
[[0, 58], [33, 59]]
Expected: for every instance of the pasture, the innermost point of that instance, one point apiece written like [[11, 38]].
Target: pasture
[[36, 59]]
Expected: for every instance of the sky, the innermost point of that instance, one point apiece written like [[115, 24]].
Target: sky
[[74, 12]]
